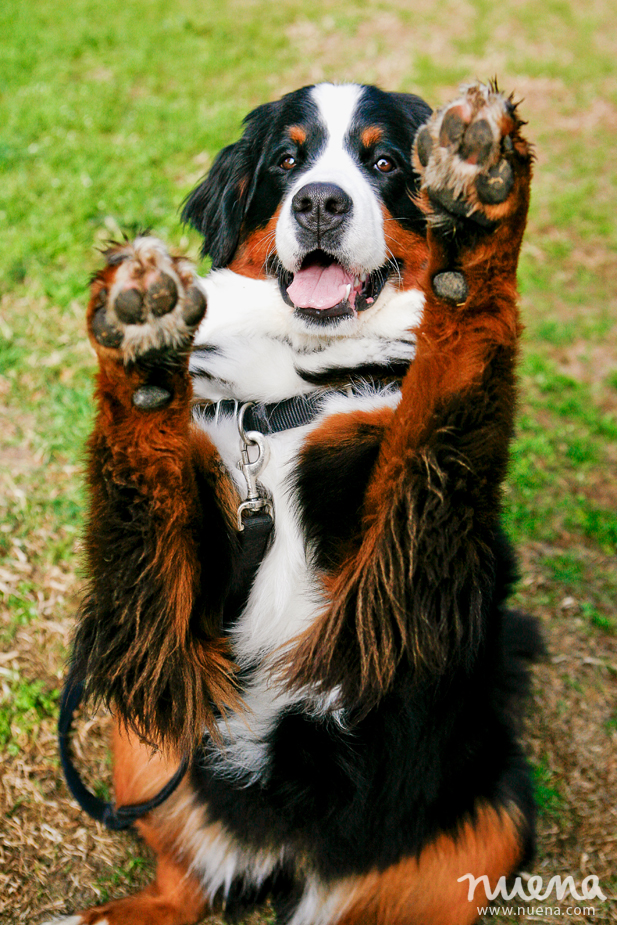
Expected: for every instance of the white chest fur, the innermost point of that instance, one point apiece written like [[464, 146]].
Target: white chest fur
[[247, 349]]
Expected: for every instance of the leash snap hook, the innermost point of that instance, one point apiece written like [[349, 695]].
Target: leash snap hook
[[257, 497]]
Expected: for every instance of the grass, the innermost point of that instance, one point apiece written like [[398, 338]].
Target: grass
[[23, 706], [549, 800], [109, 116]]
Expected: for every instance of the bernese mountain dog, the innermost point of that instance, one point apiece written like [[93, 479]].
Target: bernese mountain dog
[[297, 574]]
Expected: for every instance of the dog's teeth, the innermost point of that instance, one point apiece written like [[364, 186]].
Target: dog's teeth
[[347, 290]]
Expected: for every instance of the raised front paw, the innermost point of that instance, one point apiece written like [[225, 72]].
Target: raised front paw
[[473, 162], [144, 303]]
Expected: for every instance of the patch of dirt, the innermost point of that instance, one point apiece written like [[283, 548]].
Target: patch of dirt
[[380, 49], [601, 261], [571, 731], [585, 362], [50, 853]]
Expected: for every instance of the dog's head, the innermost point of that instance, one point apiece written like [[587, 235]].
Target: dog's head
[[318, 193]]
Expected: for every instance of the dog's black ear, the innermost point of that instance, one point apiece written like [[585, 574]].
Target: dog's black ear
[[217, 207], [417, 111]]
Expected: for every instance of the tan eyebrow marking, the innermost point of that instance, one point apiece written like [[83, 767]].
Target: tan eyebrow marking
[[297, 134], [371, 135]]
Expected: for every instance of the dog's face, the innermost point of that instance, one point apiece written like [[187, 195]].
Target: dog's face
[[318, 193]]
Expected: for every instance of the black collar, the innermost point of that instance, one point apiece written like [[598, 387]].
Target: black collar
[[274, 417]]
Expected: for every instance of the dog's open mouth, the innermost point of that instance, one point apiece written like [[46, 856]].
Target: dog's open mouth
[[323, 289]]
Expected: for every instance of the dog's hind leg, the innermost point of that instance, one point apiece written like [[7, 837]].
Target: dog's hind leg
[[175, 897], [436, 887]]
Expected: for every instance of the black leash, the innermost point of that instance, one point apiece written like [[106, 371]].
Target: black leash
[[253, 543], [114, 817]]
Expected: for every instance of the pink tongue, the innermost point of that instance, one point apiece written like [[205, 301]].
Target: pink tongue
[[320, 287]]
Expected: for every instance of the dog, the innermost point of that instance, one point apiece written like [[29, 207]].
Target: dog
[[297, 575]]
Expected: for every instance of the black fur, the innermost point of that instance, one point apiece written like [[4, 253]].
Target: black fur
[[331, 484], [393, 370], [412, 768], [416, 761]]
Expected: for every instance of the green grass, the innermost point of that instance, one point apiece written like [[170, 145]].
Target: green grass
[[563, 450], [607, 624], [126, 876], [23, 706], [549, 800]]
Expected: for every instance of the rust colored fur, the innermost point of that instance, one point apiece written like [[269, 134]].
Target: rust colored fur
[[425, 890], [175, 897], [371, 136], [297, 134], [409, 249], [252, 255]]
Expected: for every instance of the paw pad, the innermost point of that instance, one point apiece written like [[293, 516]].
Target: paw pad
[[129, 306], [452, 127], [451, 286], [102, 327], [149, 302], [465, 156], [494, 186], [424, 145], [194, 306], [161, 296], [151, 397], [478, 141]]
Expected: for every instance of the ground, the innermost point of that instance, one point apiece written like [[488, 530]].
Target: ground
[[109, 117]]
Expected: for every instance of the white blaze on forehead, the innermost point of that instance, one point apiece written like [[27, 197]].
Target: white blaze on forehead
[[362, 246], [337, 106]]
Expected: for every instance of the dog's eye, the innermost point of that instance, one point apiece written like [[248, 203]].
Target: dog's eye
[[384, 165], [288, 162]]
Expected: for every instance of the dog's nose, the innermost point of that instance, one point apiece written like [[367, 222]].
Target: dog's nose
[[320, 207]]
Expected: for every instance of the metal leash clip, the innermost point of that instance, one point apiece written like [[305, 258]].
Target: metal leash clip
[[257, 497]]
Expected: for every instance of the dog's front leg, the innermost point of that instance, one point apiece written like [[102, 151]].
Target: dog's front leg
[[433, 508], [157, 541], [421, 581]]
